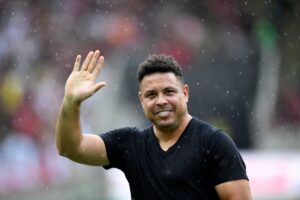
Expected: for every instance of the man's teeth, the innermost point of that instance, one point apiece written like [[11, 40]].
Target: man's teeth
[[163, 113]]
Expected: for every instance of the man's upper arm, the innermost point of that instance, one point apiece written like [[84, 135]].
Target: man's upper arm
[[234, 190], [92, 151]]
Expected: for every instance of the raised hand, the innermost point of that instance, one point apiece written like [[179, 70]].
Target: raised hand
[[81, 82]]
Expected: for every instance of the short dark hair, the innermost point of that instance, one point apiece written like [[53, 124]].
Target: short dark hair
[[159, 64]]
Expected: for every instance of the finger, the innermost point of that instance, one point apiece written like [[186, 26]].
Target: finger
[[97, 87], [93, 62], [99, 66], [87, 61], [77, 63]]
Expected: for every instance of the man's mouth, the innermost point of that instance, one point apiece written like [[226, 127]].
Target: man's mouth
[[163, 113]]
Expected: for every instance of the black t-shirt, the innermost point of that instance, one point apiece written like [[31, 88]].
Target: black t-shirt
[[202, 157]]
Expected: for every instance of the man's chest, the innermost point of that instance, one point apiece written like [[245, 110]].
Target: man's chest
[[181, 162]]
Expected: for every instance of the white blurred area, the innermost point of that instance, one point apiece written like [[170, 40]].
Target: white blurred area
[[240, 59], [273, 174]]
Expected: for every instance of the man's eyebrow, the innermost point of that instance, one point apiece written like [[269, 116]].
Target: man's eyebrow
[[170, 88], [149, 91]]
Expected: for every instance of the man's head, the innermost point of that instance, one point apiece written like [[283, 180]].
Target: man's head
[[159, 64], [163, 94]]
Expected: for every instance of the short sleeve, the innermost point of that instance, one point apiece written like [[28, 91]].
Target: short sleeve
[[225, 161], [116, 142]]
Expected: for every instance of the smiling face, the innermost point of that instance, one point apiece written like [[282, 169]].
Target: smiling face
[[164, 99]]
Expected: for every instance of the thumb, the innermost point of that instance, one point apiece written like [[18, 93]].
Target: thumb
[[98, 86]]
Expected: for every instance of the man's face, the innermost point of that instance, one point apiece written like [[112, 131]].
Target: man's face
[[164, 99]]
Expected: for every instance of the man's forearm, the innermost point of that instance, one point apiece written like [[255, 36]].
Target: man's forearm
[[68, 130]]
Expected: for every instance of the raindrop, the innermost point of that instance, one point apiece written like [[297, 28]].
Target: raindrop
[[68, 65]]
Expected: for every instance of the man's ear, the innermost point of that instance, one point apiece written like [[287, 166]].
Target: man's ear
[[141, 98], [186, 92]]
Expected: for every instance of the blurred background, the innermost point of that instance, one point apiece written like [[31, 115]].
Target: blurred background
[[240, 59]]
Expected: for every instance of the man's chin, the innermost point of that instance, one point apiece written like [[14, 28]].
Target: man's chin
[[164, 125]]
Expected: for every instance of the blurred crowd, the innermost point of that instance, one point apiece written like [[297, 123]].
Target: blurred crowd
[[217, 43]]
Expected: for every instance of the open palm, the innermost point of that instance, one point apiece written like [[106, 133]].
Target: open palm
[[81, 82]]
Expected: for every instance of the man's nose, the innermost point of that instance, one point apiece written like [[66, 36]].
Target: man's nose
[[161, 100]]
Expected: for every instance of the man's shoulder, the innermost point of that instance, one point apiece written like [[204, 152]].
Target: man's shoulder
[[212, 135], [204, 126], [208, 131]]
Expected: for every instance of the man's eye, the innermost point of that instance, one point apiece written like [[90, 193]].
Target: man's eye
[[169, 92], [150, 95]]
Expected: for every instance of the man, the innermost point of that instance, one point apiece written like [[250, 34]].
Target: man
[[178, 157]]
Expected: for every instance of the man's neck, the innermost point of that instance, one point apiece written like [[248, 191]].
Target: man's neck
[[167, 138]]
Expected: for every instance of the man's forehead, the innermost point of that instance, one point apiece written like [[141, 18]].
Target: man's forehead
[[160, 81], [160, 76]]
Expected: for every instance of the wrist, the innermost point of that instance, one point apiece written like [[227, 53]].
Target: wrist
[[70, 102]]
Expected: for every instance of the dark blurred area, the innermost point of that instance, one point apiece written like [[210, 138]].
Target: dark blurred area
[[218, 43]]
